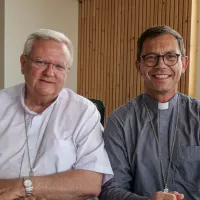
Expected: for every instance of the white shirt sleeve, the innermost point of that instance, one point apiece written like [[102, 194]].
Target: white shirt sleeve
[[91, 154]]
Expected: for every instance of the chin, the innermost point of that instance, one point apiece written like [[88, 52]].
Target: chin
[[163, 90], [45, 93]]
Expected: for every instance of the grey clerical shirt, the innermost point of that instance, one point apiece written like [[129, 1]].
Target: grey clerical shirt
[[133, 151]]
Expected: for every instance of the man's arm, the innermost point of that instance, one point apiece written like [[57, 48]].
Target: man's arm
[[118, 188], [85, 179], [72, 184], [92, 162]]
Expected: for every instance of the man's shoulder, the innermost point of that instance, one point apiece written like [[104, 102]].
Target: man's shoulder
[[188, 100], [128, 109], [68, 96], [11, 92], [189, 104]]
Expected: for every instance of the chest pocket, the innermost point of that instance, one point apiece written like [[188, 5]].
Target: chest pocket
[[188, 165], [60, 155]]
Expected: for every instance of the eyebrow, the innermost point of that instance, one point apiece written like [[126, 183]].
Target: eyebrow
[[40, 59], [172, 51]]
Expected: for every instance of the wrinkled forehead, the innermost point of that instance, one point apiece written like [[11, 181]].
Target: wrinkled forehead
[[49, 49], [160, 44]]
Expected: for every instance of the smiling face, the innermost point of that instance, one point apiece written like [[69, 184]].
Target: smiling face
[[162, 79], [42, 82]]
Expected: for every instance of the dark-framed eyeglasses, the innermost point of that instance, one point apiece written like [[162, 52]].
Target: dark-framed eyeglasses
[[152, 59], [45, 64]]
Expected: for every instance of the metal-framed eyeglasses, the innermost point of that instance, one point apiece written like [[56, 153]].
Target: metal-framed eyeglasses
[[152, 59], [45, 64]]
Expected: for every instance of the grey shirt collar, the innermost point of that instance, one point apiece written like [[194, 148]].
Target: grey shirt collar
[[153, 104]]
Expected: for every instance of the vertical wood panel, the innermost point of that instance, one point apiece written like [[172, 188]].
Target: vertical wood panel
[[132, 54], [80, 57], [111, 65], [118, 50], [138, 31], [89, 47], [129, 38], [159, 13], [184, 35], [105, 79], [125, 51], [108, 33], [135, 28], [164, 6], [102, 53], [180, 30], [167, 8], [121, 53], [189, 11], [87, 20], [193, 47], [155, 19], [143, 27], [93, 58], [152, 7], [99, 51], [115, 46], [108, 67], [172, 12]]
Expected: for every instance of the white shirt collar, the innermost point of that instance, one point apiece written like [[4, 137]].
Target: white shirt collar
[[163, 106]]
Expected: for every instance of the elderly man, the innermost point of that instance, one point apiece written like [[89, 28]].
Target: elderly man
[[153, 141], [51, 144]]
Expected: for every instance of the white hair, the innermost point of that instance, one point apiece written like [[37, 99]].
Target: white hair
[[47, 34]]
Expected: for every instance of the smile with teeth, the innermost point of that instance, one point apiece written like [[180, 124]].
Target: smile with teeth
[[161, 76]]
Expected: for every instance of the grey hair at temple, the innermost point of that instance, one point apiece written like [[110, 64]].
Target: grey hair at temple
[[156, 31], [47, 34]]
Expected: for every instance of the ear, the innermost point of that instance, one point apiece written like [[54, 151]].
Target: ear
[[138, 67], [67, 73], [185, 62], [23, 62]]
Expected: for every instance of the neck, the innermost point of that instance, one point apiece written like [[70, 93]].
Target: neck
[[37, 104], [161, 97]]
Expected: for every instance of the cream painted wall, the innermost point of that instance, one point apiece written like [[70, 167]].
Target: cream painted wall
[[198, 60], [25, 16], [1, 44]]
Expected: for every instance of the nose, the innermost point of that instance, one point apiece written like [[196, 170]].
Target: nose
[[161, 63], [49, 70]]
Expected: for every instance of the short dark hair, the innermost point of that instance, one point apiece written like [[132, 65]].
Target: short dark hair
[[155, 31]]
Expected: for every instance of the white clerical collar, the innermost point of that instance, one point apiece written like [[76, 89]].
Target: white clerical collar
[[153, 104], [163, 106]]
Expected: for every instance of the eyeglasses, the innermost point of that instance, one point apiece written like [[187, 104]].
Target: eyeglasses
[[151, 60], [44, 64]]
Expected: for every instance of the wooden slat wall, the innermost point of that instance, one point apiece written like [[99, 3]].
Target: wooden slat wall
[[108, 33]]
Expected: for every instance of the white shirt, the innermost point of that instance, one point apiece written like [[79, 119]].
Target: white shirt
[[67, 135]]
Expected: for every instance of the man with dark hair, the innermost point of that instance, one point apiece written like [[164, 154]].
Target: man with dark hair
[[153, 141]]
